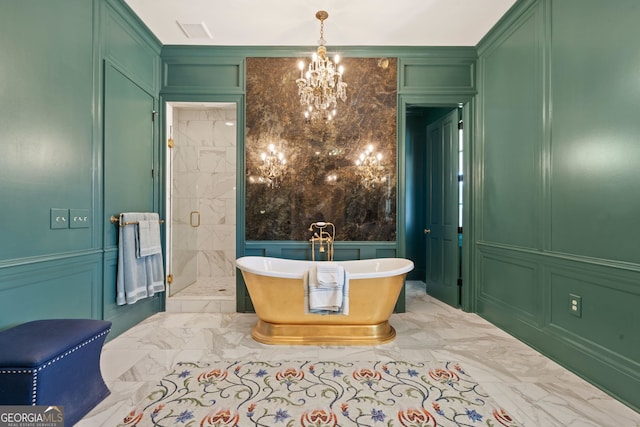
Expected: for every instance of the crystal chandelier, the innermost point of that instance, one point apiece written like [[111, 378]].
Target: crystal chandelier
[[369, 169], [321, 86], [273, 167]]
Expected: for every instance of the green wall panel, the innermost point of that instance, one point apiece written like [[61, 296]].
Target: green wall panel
[[131, 145], [448, 71], [129, 150], [58, 288], [302, 250], [558, 185], [126, 47], [435, 77], [511, 198], [595, 149], [51, 118], [46, 123], [613, 298], [219, 75], [511, 280]]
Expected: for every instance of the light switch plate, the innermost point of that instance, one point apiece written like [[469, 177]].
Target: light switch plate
[[59, 218], [79, 218]]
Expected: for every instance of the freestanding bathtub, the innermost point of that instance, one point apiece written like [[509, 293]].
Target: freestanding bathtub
[[276, 288]]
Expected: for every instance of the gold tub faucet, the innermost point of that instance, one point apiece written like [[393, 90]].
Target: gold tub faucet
[[323, 237]]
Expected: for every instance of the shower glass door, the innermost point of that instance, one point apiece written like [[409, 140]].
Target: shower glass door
[[202, 199], [182, 236]]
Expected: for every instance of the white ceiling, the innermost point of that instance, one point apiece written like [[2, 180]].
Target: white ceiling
[[350, 22]]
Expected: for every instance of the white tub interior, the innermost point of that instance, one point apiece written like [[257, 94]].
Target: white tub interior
[[295, 269]]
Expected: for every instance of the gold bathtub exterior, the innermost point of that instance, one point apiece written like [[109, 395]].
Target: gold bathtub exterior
[[279, 305]]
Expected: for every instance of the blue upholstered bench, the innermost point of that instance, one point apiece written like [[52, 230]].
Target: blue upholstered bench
[[54, 362]]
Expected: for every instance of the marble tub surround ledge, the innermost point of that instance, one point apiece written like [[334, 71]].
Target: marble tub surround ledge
[[531, 387]]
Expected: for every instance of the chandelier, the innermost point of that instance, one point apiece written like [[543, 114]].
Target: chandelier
[[369, 169], [273, 168], [321, 86]]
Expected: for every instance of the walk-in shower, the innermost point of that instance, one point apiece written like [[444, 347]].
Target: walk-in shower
[[201, 198]]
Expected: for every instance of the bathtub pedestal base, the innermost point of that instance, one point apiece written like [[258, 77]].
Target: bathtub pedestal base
[[327, 334]]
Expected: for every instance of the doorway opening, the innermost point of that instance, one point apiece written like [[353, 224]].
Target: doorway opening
[[435, 188], [201, 205]]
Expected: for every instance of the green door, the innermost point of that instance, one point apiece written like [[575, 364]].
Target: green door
[[128, 149], [129, 184], [441, 222]]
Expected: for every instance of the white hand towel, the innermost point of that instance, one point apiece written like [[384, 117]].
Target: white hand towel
[[318, 301], [330, 275], [323, 298]]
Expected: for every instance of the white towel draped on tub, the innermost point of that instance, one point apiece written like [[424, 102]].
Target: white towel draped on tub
[[326, 289], [138, 276]]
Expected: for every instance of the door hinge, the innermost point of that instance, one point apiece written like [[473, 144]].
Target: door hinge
[[152, 173], [170, 278], [460, 282], [171, 143], [153, 115]]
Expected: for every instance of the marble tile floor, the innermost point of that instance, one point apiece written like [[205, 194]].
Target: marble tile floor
[[535, 390]]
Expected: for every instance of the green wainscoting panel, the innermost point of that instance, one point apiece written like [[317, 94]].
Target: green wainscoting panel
[[510, 279], [617, 376], [607, 316], [302, 250], [595, 148], [298, 253], [511, 149], [63, 287]]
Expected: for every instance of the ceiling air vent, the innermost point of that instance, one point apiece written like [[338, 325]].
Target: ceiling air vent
[[195, 31]]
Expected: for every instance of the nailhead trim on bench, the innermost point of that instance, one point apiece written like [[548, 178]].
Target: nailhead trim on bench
[[50, 362]]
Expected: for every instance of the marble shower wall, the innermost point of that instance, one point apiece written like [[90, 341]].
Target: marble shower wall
[[204, 180], [322, 181]]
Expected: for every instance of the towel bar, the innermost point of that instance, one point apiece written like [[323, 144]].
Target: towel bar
[[116, 220]]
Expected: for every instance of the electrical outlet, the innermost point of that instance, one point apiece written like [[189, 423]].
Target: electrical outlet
[[59, 218], [575, 305], [79, 218]]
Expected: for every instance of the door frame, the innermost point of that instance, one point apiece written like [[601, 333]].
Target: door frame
[[240, 147], [468, 103]]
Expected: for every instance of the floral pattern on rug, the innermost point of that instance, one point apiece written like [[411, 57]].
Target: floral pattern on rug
[[318, 394]]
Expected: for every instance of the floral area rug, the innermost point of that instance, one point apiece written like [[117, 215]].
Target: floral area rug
[[318, 394]]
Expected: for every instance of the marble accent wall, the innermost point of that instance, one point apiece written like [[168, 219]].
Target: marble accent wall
[[204, 181], [322, 181]]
